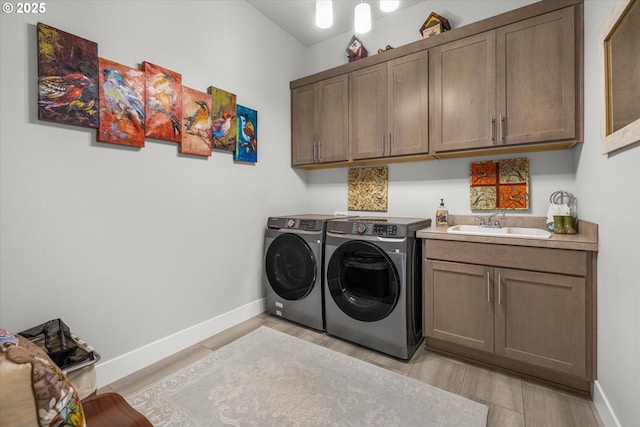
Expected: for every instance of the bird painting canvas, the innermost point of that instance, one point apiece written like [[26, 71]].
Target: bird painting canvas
[[163, 103], [67, 78], [121, 92], [223, 110], [197, 122], [247, 139]]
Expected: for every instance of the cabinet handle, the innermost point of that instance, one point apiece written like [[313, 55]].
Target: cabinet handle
[[499, 289], [503, 129], [390, 141], [383, 143], [488, 288], [493, 130], [319, 147], [315, 151]]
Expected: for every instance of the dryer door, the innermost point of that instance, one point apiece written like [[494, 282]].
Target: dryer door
[[291, 267], [363, 281]]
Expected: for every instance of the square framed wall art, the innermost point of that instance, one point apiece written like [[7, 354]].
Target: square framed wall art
[[501, 184]]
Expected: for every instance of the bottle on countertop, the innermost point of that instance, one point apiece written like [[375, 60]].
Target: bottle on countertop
[[442, 215]]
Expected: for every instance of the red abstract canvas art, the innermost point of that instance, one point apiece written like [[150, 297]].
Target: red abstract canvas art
[[121, 91], [197, 122], [67, 78], [163, 105]]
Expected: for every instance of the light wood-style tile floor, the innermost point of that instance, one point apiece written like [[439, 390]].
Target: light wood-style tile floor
[[513, 401]]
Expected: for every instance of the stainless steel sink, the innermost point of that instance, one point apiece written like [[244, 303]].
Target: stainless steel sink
[[518, 232]]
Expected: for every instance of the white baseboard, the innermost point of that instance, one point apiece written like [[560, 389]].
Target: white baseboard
[[605, 410], [121, 366]]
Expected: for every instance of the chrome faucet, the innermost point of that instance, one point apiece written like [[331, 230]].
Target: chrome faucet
[[488, 224]]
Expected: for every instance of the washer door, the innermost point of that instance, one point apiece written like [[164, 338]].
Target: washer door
[[363, 281], [291, 267]]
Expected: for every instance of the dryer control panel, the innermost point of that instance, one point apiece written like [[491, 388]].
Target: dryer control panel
[[295, 224]]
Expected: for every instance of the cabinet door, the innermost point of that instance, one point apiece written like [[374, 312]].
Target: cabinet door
[[303, 139], [332, 119], [462, 93], [536, 79], [540, 319], [368, 112], [408, 91], [458, 304]]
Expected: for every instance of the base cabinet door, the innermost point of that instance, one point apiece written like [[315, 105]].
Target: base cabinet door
[[540, 319], [458, 304]]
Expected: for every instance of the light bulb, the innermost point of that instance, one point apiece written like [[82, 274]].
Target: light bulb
[[362, 20], [324, 13], [389, 5]]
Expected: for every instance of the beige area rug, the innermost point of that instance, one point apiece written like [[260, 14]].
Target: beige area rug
[[268, 378]]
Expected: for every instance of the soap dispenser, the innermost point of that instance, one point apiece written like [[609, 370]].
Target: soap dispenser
[[442, 215]]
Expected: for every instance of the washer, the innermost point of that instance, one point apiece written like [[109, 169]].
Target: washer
[[373, 283], [293, 268]]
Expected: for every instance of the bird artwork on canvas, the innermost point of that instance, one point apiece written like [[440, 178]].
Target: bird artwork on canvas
[[162, 101], [60, 94], [67, 78], [121, 104], [223, 110], [123, 100], [247, 141], [196, 123]]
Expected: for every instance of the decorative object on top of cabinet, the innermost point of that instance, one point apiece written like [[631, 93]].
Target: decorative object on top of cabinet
[[388, 47], [223, 111], [621, 67], [501, 184], [196, 125], [368, 189], [435, 24], [121, 94], [356, 49], [247, 140], [163, 103], [67, 78]]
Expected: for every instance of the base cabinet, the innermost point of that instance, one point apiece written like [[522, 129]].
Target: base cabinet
[[529, 318]]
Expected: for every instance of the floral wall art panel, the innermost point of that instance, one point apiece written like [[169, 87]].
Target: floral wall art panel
[[67, 78], [502, 184], [163, 103], [247, 139], [368, 189], [196, 122], [223, 110], [121, 92]]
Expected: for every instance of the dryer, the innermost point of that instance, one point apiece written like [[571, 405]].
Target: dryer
[[373, 283], [293, 268]]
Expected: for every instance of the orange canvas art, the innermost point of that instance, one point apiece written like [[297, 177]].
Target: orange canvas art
[[196, 122], [502, 184]]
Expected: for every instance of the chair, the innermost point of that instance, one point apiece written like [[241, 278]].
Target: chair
[[33, 387]]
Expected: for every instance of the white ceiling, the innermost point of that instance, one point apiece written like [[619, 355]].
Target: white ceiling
[[297, 17]]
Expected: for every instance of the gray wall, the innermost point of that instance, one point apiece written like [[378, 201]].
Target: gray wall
[[131, 246]]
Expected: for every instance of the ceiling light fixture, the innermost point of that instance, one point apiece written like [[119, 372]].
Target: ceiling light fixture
[[324, 13], [362, 19], [389, 5]]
